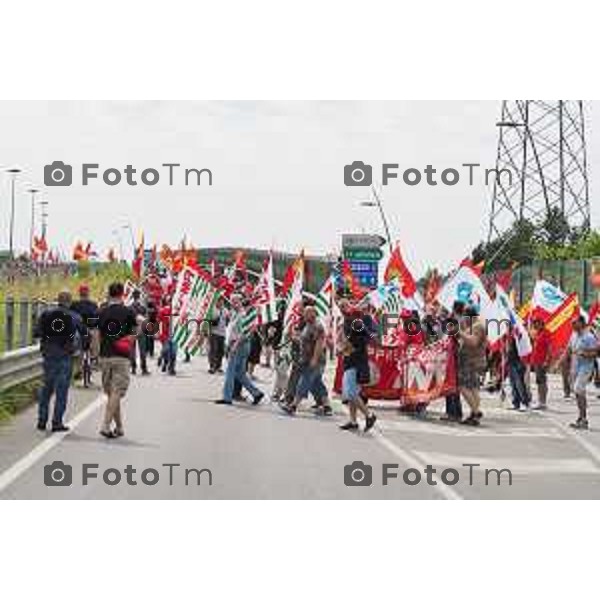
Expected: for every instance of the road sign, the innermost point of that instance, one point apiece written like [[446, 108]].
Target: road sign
[[372, 254], [362, 240], [366, 280], [360, 266]]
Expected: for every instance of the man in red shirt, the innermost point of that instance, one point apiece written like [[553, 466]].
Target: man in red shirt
[[168, 352], [540, 361]]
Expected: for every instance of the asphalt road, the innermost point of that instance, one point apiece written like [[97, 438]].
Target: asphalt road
[[247, 452]]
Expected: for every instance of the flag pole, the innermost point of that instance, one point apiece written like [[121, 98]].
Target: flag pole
[[383, 217]]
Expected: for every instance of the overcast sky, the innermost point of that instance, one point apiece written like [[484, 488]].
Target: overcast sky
[[277, 172]]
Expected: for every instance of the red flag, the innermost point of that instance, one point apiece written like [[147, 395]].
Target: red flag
[[137, 265], [351, 282], [432, 287], [290, 273], [79, 253], [476, 268], [594, 314], [239, 262], [397, 269], [504, 278], [560, 324]]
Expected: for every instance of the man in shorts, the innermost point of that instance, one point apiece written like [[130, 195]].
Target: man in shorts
[[118, 326], [358, 333], [584, 349], [472, 339]]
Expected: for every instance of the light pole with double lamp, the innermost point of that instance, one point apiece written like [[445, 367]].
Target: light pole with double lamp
[[117, 236], [44, 205], [13, 175], [33, 192], [376, 203], [128, 227]]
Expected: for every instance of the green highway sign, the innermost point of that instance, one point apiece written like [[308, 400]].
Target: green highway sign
[[363, 254]]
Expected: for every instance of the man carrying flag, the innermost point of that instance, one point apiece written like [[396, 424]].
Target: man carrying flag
[[312, 365], [237, 349]]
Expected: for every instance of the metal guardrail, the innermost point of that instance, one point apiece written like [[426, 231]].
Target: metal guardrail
[[20, 366]]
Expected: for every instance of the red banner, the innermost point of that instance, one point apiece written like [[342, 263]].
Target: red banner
[[428, 372], [414, 375]]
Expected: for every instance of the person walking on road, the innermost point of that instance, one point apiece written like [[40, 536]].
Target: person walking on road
[[312, 365], [357, 334], [60, 330], [516, 373], [168, 347], [540, 361], [216, 338], [118, 327], [472, 361], [453, 404], [584, 349], [87, 309], [237, 345], [140, 341]]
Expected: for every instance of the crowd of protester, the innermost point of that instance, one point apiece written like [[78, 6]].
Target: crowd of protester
[[297, 354]]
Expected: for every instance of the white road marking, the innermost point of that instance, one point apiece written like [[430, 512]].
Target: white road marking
[[11, 474], [514, 464], [425, 427], [580, 437], [414, 461]]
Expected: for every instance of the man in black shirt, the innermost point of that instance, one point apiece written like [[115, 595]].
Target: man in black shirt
[[118, 327], [139, 344], [60, 331], [87, 309], [358, 333]]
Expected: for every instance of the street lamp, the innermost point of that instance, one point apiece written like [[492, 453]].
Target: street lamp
[[377, 204], [13, 175], [33, 192], [128, 226], [44, 205], [117, 235]]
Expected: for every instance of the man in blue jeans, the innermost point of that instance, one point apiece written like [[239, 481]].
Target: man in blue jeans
[[312, 365], [60, 330], [237, 348]]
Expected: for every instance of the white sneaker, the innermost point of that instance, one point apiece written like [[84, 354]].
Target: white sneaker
[[523, 408]]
